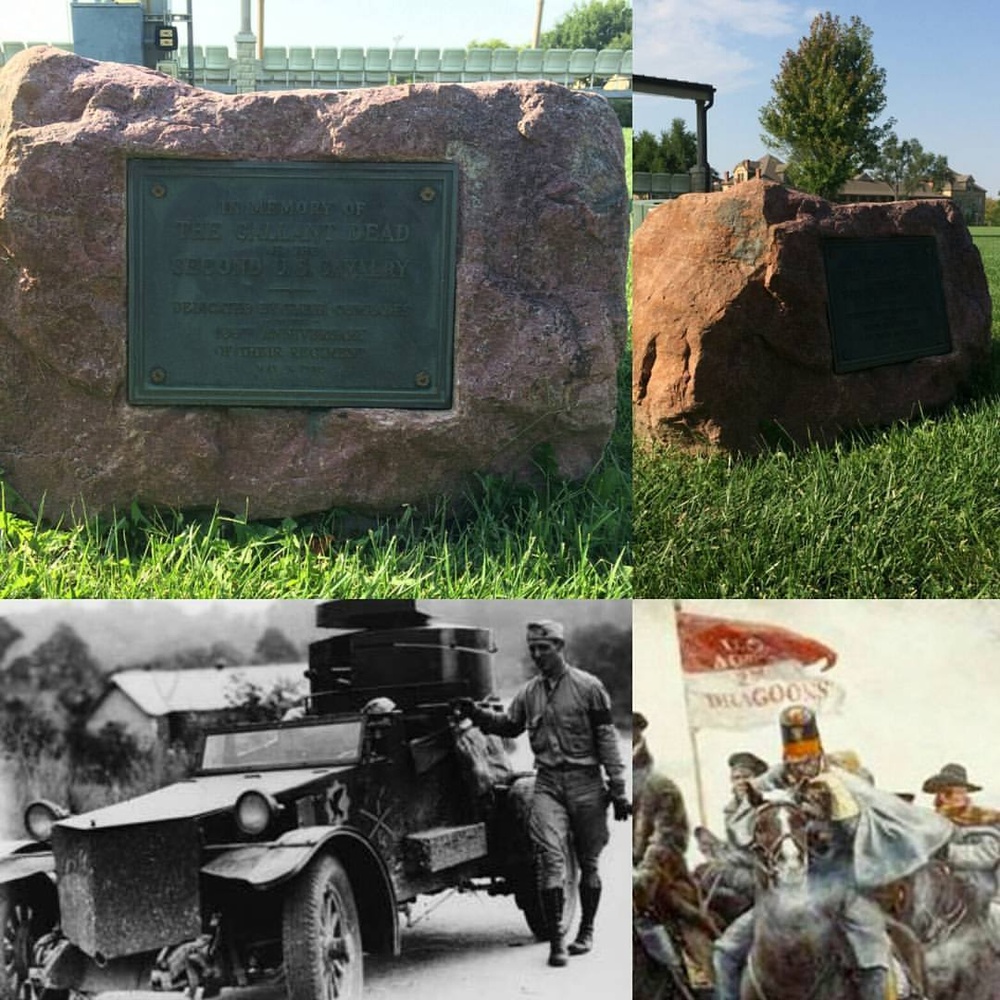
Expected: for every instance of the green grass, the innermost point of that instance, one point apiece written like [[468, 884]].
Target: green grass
[[503, 539], [909, 511]]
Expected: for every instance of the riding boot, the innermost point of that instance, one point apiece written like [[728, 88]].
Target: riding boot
[[873, 984], [552, 907], [590, 898]]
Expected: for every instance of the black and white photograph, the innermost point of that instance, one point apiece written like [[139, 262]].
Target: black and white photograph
[[314, 799]]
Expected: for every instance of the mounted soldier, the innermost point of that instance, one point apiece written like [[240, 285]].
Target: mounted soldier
[[668, 916], [860, 838], [974, 851], [727, 877]]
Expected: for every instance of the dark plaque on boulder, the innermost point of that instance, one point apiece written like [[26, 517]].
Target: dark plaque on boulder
[[291, 284], [886, 301]]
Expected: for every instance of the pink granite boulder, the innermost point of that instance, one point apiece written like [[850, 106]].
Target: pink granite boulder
[[731, 316], [540, 314]]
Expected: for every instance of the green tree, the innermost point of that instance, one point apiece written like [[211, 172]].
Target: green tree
[[599, 24], [675, 152], [274, 646], [993, 211], [827, 98], [490, 43], [906, 165]]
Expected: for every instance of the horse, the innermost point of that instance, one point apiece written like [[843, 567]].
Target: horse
[[672, 932], [726, 888], [799, 950], [949, 919]]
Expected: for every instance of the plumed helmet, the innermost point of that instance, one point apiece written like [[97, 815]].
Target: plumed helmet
[[799, 733]]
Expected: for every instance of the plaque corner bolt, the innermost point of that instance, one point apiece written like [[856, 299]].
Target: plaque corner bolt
[[423, 380], [158, 376], [427, 194], [158, 191]]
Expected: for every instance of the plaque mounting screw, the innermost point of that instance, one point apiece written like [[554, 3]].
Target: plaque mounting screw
[[427, 194], [158, 190], [423, 380], [158, 376]]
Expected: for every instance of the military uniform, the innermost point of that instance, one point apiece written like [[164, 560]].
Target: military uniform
[[873, 839], [974, 850], [567, 714], [659, 819]]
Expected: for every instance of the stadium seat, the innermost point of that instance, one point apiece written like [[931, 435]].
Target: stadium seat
[[555, 65], [428, 64], [452, 64], [300, 66], [218, 66], [581, 67], [607, 64], [660, 185], [477, 65], [352, 68], [325, 66], [503, 65], [376, 67], [403, 65], [529, 64], [274, 67]]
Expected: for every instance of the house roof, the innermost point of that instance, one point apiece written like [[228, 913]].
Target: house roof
[[160, 692]]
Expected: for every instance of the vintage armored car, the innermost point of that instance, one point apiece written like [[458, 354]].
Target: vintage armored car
[[294, 846]]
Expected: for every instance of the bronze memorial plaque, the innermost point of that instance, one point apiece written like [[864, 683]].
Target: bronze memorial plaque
[[291, 284], [886, 301]]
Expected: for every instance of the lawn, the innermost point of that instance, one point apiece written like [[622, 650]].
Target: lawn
[[503, 539], [907, 512]]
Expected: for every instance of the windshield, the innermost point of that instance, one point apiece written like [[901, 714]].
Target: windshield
[[287, 746]]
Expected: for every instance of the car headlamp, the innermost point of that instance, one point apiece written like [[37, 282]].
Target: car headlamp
[[254, 812], [40, 816]]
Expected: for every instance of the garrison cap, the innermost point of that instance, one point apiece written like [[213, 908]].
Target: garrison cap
[[545, 631]]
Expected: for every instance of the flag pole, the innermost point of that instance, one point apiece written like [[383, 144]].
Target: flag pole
[[693, 737], [702, 812]]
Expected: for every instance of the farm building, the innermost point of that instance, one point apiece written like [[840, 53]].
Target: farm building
[[159, 706]]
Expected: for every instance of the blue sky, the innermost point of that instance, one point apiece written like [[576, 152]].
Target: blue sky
[[941, 61], [408, 23]]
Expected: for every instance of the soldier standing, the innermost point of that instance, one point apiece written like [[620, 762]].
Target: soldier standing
[[567, 713]]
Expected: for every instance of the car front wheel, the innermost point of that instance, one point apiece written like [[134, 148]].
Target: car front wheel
[[25, 915], [322, 936]]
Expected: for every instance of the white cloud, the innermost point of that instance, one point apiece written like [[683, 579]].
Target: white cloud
[[711, 41]]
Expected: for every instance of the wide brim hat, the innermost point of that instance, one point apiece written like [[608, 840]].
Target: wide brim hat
[[799, 733], [747, 761], [950, 776]]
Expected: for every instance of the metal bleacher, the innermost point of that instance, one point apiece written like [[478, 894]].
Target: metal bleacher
[[329, 68], [348, 67]]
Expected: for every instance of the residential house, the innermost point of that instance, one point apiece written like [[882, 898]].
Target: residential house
[[962, 188], [159, 706]]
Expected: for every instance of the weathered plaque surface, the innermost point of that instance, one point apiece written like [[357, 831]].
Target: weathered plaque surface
[[291, 284], [886, 301]]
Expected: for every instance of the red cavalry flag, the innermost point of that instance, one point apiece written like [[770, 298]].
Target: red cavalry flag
[[742, 674]]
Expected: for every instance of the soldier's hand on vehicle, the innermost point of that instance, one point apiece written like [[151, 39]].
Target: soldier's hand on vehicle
[[622, 807]]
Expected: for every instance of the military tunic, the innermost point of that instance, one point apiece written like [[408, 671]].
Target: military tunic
[[568, 720]]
